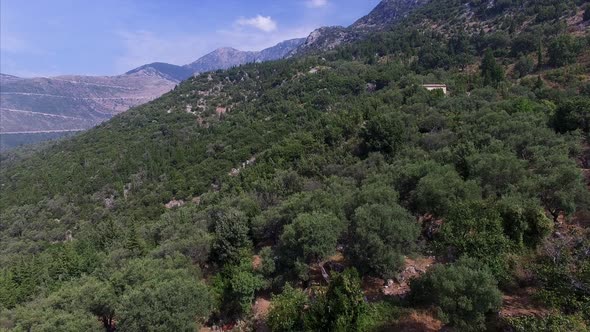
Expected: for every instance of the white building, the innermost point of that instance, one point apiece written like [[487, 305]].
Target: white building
[[431, 87]]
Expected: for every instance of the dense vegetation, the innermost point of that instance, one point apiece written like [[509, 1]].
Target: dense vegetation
[[10, 141], [347, 153]]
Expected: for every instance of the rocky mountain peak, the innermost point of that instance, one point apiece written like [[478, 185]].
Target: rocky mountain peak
[[386, 13]]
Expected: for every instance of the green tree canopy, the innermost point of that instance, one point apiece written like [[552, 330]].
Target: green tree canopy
[[464, 293], [231, 234], [311, 236], [572, 115], [491, 71], [442, 187], [475, 229], [287, 310], [563, 50], [384, 133], [341, 308], [382, 235]]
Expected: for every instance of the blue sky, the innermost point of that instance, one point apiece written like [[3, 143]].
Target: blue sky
[[108, 37]]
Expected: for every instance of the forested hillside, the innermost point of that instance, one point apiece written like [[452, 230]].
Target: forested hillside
[[330, 192]]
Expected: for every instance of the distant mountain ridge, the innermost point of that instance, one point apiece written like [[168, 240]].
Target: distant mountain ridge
[[225, 58], [221, 58], [166, 70], [73, 103]]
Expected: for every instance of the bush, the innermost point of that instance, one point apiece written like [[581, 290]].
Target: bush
[[475, 230], [464, 293], [311, 237], [341, 308], [287, 310], [381, 235], [573, 114], [524, 66], [563, 50], [550, 323]]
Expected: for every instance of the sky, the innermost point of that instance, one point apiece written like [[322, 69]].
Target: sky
[[110, 37]]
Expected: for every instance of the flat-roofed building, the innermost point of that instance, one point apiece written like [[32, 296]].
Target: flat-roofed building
[[431, 87]]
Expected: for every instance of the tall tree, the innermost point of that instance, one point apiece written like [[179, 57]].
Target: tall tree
[[491, 71], [311, 236]]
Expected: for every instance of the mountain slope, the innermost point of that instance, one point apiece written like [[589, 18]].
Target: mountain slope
[[168, 71], [222, 58], [271, 177], [225, 58], [74, 103], [387, 13]]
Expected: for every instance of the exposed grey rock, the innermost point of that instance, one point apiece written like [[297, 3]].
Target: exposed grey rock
[[382, 17]]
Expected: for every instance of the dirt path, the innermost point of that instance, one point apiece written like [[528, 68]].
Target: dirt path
[[521, 303], [417, 321], [260, 310], [375, 289]]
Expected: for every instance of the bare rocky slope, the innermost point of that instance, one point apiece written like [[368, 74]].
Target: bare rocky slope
[[380, 18]]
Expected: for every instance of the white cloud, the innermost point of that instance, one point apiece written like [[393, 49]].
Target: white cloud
[[256, 41], [263, 23], [316, 3]]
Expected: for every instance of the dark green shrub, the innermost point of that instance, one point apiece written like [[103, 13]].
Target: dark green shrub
[[464, 293], [341, 308], [287, 310], [381, 235]]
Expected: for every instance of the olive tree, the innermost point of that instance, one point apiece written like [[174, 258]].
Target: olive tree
[[380, 236], [463, 292]]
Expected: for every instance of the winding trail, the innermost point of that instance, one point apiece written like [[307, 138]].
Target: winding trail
[[40, 131], [72, 97]]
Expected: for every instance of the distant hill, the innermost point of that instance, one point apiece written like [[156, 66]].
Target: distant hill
[[42, 105], [166, 70], [72, 103]]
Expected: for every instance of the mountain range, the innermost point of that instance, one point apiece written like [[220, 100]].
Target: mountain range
[[221, 58], [73, 103], [63, 104]]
